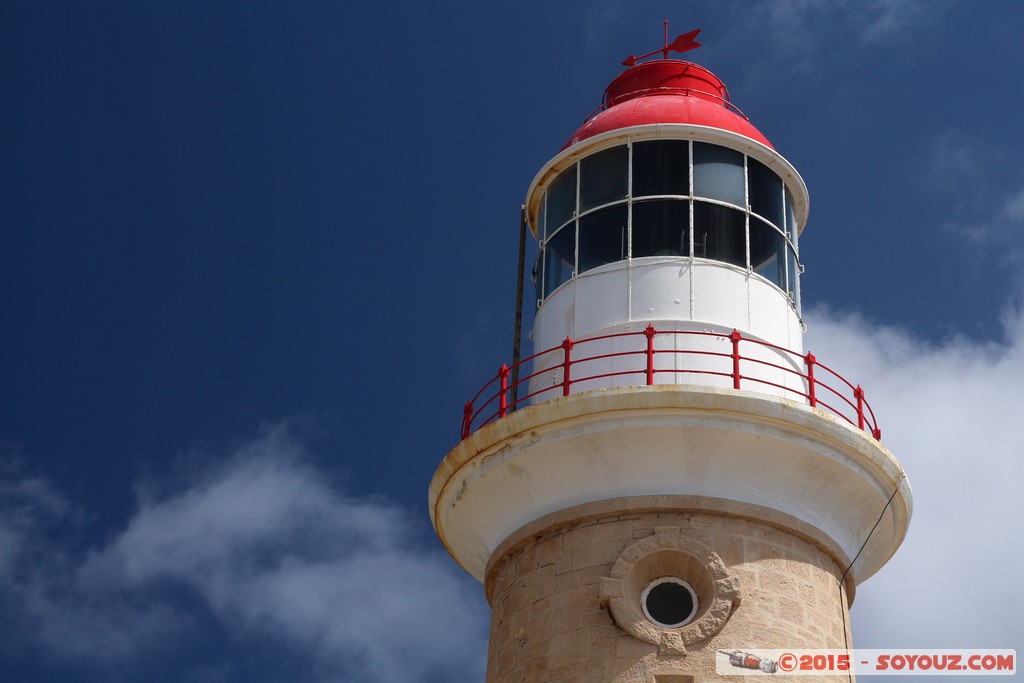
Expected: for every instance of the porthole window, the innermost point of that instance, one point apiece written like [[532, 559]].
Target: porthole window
[[669, 602], [671, 590], [668, 198]]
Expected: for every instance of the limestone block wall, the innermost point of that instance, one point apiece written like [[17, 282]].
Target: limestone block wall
[[565, 595]]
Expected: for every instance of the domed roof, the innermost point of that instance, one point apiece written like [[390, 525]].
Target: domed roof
[[667, 91]]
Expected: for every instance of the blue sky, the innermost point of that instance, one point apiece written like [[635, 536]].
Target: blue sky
[[255, 257]]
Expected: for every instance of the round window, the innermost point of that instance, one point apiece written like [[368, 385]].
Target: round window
[[669, 602]]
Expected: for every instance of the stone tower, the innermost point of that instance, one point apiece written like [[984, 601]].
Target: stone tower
[[672, 475]]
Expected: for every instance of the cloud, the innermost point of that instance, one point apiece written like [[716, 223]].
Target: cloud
[[472, 362], [986, 210], [869, 21], [803, 31], [262, 543], [274, 553], [27, 503], [950, 412]]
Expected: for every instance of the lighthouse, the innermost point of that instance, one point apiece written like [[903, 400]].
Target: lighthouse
[[670, 475]]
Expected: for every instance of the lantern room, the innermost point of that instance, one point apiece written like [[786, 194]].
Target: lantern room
[[667, 207]]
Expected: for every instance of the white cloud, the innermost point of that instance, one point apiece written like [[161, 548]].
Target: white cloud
[[804, 31], [867, 21], [985, 212], [281, 558], [882, 20], [28, 502], [277, 555], [951, 413]]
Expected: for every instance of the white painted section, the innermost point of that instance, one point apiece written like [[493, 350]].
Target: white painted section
[[601, 299], [663, 441], [671, 293], [721, 298]]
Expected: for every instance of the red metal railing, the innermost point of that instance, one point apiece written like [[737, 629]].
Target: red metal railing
[[847, 401], [607, 103]]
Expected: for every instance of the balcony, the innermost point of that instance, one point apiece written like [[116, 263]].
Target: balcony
[[652, 356]]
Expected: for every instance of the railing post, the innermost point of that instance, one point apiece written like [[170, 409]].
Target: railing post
[[649, 333], [859, 394], [811, 394], [503, 397], [735, 337], [467, 417], [566, 364]]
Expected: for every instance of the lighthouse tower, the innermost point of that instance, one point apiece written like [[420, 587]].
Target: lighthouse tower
[[671, 474]]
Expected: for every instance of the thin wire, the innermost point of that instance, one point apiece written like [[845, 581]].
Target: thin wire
[[517, 336], [903, 475], [846, 633], [842, 579]]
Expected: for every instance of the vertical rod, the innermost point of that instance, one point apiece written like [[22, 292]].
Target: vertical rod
[[467, 417], [566, 364], [735, 337], [503, 396], [859, 393], [812, 395], [665, 51], [649, 333], [518, 334]]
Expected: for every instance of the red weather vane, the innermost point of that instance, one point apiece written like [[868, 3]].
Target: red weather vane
[[683, 43]]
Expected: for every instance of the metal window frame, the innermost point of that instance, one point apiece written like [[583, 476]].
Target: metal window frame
[[790, 238]]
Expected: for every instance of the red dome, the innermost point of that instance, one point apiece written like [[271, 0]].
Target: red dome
[[667, 91]]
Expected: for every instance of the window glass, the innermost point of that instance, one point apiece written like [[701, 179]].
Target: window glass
[[602, 237], [559, 256], [794, 278], [603, 177], [718, 173], [561, 199], [661, 167], [790, 217], [538, 275], [719, 233], [541, 229], [765, 192], [767, 252], [661, 228]]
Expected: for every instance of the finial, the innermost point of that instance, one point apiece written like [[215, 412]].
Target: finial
[[683, 43]]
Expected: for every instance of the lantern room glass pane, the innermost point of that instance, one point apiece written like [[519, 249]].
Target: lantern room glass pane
[[719, 233], [661, 167], [561, 199], [767, 252], [718, 173], [661, 227], [538, 276], [790, 216], [765, 192], [559, 257], [604, 177], [793, 285], [602, 237], [541, 227]]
